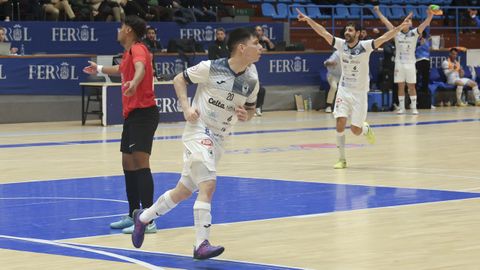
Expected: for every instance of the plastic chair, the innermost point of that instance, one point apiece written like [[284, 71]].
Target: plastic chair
[[282, 11], [268, 10]]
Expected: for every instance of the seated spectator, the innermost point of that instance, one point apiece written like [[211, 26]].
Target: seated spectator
[[266, 43], [5, 10], [454, 73], [137, 7], [53, 8], [160, 10], [219, 48], [106, 10], [151, 41], [334, 68], [3, 38]]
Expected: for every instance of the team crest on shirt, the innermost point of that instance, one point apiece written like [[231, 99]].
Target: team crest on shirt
[[245, 88]]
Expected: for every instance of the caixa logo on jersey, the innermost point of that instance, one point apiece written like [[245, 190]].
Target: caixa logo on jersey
[[170, 104], [68, 34], [64, 71], [199, 34], [18, 33], [296, 64], [171, 67]]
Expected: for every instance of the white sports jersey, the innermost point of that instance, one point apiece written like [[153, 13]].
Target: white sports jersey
[[406, 43], [355, 64], [219, 92], [450, 72]]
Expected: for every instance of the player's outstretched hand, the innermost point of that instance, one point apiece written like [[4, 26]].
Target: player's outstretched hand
[[191, 115], [241, 113], [302, 17], [405, 21], [91, 69]]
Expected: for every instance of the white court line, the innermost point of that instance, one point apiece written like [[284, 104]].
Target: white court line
[[61, 198], [109, 254], [97, 217], [180, 255]]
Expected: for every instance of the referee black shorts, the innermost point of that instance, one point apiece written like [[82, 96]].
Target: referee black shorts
[[139, 130]]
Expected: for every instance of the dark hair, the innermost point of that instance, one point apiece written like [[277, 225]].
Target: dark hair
[[151, 28], [138, 25], [355, 25], [221, 29], [237, 36], [454, 50]]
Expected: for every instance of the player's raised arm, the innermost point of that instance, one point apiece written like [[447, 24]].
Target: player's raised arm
[[426, 22], [391, 33], [315, 26], [382, 18]]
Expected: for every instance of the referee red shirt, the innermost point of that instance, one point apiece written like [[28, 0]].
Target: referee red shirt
[[144, 97]]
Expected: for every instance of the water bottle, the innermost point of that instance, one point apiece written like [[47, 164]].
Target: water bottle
[[442, 42], [309, 103], [22, 50]]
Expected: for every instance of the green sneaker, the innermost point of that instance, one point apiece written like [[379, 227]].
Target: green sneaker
[[370, 135], [123, 223], [341, 164], [151, 228]]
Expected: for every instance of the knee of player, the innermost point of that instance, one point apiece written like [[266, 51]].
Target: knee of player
[[208, 187]]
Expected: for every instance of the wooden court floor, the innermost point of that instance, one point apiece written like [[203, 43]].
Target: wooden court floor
[[410, 201]]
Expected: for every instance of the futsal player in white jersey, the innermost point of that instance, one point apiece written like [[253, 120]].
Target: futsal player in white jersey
[[354, 83], [226, 93], [405, 69]]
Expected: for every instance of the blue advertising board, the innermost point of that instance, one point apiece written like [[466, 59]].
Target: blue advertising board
[[101, 37], [61, 75]]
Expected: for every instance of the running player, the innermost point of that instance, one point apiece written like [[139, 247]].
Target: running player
[[227, 92], [352, 98], [405, 70]]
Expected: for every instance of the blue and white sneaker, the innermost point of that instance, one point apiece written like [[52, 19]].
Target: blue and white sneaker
[[123, 223]]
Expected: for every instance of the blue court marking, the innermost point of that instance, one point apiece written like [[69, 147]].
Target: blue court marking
[[54, 210], [153, 258], [177, 137]]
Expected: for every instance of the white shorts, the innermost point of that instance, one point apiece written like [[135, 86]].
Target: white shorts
[[200, 158], [405, 73], [463, 81], [353, 105]]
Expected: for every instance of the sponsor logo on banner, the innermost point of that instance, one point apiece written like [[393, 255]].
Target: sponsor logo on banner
[[174, 67], [199, 34], [268, 31], [208, 33], [68, 34], [296, 64], [170, 104], [64, 71], [2, 75], [17, 33]]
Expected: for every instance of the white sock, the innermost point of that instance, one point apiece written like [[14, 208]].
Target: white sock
[[476, 93], [341, 144], [401, 101], [365, 129], [459, 94], [203, 220], [162, 206], [413, 105]]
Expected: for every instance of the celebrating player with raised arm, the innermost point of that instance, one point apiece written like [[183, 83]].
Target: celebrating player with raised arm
[[405, 70], [354, 83]]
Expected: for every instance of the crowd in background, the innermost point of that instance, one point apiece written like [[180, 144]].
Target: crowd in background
[[182, 11]]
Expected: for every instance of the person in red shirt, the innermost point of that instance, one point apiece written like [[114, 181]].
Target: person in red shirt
[[141, 117]]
